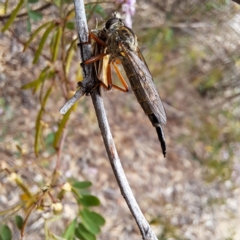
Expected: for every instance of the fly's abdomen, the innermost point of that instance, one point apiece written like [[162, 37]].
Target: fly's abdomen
[[144, 88], [141, 94]]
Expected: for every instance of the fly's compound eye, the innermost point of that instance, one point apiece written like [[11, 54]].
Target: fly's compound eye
[[112, 21]]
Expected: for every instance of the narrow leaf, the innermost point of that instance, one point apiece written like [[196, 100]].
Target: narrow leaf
[[5, 233], [81, 185], [69, 232], [36, 83], [69, 55], [57, 3], [70, 14], [42, 42], [57, 42], [19, 221], [32, 84], [35, 34], [29, 26], [34, 15], [13, 15], [83, 234], [5, 6], [89, 201], [52, 43], [56, 237], [38, 122], [61, 128], [70, 25]]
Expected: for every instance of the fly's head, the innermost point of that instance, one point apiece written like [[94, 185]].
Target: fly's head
[[120, 33], [113, 24]]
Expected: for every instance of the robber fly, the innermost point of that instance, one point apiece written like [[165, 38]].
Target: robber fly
[[114, 44]]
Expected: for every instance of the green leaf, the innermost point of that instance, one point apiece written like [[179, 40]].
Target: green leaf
[[32, 1], [98, 219], [56, 44], [49, 139], [35, 34], [29, 26], [89, 222], [69, 55], [69, 232], [13, 15], [70, 14], [36, 83], [5, 233], [19, 221], [83, 234], [61, 127], [35, 16], [70, 25], [81, 185], [32, 84], [168, 35], [92, 218], [89, 201], [5, 6], [38, 122], [42, 42], [57, 3], [56, 237]]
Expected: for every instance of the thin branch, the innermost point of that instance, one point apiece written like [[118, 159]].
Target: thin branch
[[147, 233], [79, 93]]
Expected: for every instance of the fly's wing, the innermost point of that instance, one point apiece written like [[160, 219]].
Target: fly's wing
[[139, 53], [148, 87]]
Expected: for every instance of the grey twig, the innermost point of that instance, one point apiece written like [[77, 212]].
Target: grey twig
[[89, 83], [78, 94]]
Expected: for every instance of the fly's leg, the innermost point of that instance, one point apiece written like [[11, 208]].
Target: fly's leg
[[125, 86], [99, 41], [96, 38], [95, 58], [110, 84], [109, 76]]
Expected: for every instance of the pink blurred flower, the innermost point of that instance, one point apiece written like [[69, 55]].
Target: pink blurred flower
[[128, 10]]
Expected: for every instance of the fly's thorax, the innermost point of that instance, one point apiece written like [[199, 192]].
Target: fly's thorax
[[128, 38], [113, 46], [118, 32], [121, 39]]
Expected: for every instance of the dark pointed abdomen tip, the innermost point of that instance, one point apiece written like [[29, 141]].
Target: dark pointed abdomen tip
[[161, 140]]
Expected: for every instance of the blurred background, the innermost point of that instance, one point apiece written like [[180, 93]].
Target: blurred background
[[192, 51]]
